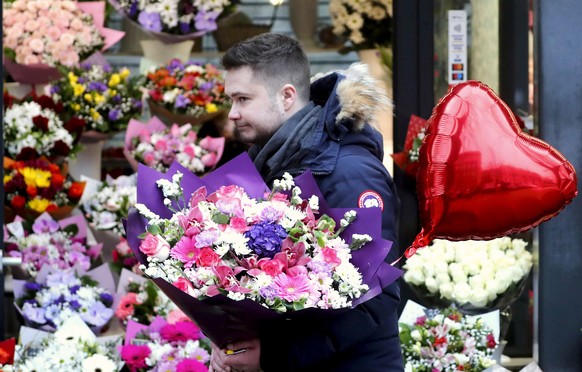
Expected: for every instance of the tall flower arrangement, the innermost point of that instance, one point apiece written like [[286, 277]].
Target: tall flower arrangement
[[173, 17], [364, 24], [473, 275], [104, 97], [187, 88]]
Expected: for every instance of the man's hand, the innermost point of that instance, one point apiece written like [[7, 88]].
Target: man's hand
[[231, 360]]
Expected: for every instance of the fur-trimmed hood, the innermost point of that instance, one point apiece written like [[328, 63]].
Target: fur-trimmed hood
[[353, 94]]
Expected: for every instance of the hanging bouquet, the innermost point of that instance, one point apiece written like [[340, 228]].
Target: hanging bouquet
[[57, 244], [173, 20], [106, 203], [474, 275], [35, 127], [191, 88], [214, 246], [32, 187], [165, 346], [123, 257], [104, 97], [55, 295], [407, 159], [138, 299], [42, 35], [73, 347], [158, 146], [447, 340], [365, 25]]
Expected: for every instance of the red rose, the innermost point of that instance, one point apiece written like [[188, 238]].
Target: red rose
[[45, 102], [27, 153], [18, 202], [51, 207], [31, 191], [76, 190], [61, 148], [75, 124], [57, 180], [41, 122], [207, 257]]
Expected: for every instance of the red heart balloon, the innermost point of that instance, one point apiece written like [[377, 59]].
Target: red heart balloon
[[480, 176]]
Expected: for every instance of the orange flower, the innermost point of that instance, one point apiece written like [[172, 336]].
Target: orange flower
[[31, 191], [57, 180], [51, 207], [76, 190]]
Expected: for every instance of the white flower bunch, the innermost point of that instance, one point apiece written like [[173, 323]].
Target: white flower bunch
[[469, 272], [105, 209]]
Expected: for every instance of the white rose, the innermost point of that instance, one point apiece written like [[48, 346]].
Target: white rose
[[461, 292], [479, 297], [446, 290], [431, 285], [415, 335], [415, 277]]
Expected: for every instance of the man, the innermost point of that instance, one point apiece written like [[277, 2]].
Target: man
[[323, 127]]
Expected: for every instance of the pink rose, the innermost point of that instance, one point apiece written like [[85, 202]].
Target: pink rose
[[209, 160], [155, 246], [76, 24], [149, 158], [36, 45], [238, 224], [31, 25], [271, 267], [161, 145], [176, 316], [207, 257], [184, 285]]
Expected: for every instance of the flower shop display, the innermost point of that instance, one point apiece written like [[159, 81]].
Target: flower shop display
[[224, 241], [165, 346], [106, 98], [473, 275], [138, 299], [447, 340], [48, 301], [32, 187], [37, 126], [106, 203], [158, 146], [57, 244], [491, 179], [365, 25], [39, 35], [172, 20], [407, 159], [73, 347], [185, 92]]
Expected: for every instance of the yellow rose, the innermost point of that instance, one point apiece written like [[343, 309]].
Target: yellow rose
[[124, 72], [78, 89], [114, 80], [94, 114], [76, 106], [38, 204], [36, 177], [211, 107]]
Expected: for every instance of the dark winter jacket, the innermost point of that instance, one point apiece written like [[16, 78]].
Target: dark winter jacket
[[333, 139]]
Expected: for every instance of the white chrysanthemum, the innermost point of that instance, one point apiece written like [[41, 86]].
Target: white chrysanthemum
[[292, 215], [99, 362], [237, 242], [237, 296]]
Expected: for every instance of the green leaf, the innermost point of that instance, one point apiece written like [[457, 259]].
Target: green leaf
[[154, 230], [220, 218], [71, 229]]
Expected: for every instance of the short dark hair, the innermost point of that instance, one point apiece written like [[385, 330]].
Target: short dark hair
[[274, 58]]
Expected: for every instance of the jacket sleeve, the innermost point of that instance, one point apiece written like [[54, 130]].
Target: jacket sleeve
[[297, 345]]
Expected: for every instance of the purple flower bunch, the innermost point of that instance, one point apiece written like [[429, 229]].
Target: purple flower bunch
[[176, 17], [265, 238], [105, 98], [50, 301]]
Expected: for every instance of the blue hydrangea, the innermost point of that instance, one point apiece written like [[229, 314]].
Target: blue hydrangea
[[265, 238]]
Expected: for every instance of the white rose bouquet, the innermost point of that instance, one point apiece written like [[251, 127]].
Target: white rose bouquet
[[470, 274]]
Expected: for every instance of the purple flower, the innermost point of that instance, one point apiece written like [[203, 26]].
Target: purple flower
[[74, 289], [133, 9], [205, 238], [175, 64], [206, 21], [97, 86], [265, 238], [206, 86], [32, 287], [75, 304], [269, 292], [181, 101], [106, 298], [270, 214], [55, 89], [98, 314], [116, 98], [150, 21], [45, 226], [114, 115], [136, 103], [184, 27]]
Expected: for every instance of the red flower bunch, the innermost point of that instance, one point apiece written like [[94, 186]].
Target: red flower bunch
[[32, 187]]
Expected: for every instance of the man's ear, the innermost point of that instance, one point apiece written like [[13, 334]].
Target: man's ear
[[289, 94]]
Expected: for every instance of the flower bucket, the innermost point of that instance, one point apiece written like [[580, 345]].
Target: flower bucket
[[157, 52]]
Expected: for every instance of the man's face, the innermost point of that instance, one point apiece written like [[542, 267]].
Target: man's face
[[256, 112]]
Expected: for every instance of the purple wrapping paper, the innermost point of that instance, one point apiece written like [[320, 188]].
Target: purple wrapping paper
[[224, 320]]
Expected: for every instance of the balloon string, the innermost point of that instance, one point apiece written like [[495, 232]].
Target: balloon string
[[395, 262]]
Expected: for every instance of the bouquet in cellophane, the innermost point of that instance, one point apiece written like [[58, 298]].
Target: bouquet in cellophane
[[225, 244]]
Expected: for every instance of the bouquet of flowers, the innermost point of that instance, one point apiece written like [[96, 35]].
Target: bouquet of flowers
[[407, 159], [191, 88], [7, 348], [123, 257], [447, 340], [39, 35], [46, 242], [365, 25], [34, 127], [173, 20], [165, 346], [106, 203], [138, 299], [73, 347], [55, 295], [32, 187], [474, 275], [252, 253], [105, 98], [157, 146]]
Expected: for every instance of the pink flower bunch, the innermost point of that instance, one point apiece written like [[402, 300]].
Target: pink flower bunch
[[274, 251], [57, 244], [158, 149], [51, 32], [165, 346]]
